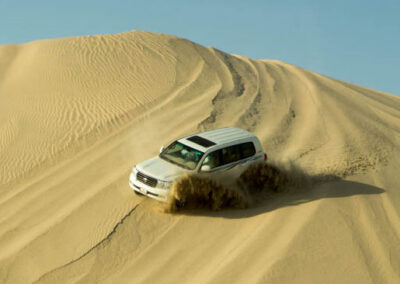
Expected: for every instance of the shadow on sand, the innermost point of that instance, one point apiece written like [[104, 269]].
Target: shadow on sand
[[330, 189]]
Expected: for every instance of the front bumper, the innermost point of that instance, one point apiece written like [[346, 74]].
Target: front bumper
[[159, 194]]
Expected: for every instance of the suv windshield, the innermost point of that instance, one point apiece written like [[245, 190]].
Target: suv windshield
[[182, 155]]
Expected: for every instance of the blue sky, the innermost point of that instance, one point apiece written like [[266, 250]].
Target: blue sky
[[354, 41]]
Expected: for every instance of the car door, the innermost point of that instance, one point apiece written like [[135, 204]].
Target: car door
[[245, 157], [222, 164], [247, 154]]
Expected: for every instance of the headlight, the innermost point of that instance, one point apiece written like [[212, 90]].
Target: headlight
[[134, 170], [164, 184]]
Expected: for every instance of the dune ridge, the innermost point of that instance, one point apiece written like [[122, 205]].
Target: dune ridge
[[77, 113]]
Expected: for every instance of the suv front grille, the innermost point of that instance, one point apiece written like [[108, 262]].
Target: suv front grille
[[146, 179]]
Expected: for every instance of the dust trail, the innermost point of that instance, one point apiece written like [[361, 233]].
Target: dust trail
[[197, 191], [255, 184], [275, 177]]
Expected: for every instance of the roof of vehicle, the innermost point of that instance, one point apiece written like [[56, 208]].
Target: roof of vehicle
[[215, 137]]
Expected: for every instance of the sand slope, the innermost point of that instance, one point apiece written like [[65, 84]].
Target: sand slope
[[76, 114]]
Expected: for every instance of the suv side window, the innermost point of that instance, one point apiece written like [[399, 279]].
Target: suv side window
[[247, 150], [213, 159], [230, 154], [222, 156]]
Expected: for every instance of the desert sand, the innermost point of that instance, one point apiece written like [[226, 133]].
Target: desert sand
[[77, 113]]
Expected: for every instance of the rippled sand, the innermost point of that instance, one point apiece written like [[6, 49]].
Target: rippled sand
[[77, 113]]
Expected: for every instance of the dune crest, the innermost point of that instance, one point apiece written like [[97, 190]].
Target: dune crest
[[77, 113]]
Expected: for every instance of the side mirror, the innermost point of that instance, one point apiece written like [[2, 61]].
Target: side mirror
[[161, 149], [205, 168]]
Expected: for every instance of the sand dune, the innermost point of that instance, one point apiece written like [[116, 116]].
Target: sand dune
[[77, 113]]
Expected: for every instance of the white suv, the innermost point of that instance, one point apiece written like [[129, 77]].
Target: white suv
[[215, 152]]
